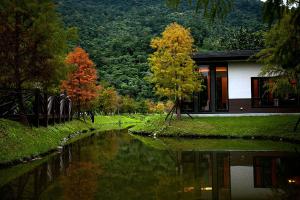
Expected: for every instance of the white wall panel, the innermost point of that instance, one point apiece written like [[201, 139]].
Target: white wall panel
[[242, 184], [239, 79]]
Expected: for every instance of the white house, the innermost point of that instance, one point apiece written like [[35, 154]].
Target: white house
[[233, 84]]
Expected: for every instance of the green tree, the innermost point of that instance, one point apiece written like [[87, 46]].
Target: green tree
[[108, 100], [212, 8], [142, 106], [281, 55], [282, 45], [128, 105], [33, 44], [280, 58], [242, 39], [171, 64], [273, 9], [276, 9]]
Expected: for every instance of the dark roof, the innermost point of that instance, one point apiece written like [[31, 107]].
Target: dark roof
[[224, 55]]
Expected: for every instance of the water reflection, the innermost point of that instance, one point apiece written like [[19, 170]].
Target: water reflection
[[117, 166], [239, 175], [204, 174]]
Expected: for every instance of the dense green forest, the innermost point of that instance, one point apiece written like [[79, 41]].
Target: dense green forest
[[117, 34]]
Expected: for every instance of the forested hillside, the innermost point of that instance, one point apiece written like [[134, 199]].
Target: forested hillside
[[117, 35]]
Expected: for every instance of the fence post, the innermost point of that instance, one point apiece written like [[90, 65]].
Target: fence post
[[53, 109], [70, 110], [37, 106], [60, 101], [46, 108]]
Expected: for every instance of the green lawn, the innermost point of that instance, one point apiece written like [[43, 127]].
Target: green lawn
[[18, 141], [204, 144], [240, 127]]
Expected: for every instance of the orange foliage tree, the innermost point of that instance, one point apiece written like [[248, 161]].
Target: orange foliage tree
[[81, 84]]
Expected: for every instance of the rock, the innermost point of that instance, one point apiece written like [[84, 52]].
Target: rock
[[26, 159]]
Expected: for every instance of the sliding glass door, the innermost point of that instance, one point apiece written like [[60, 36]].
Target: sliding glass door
[[204, 95], [221, 91], [214, 95]]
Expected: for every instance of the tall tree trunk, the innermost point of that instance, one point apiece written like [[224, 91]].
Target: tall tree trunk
[[79, 99], [178, 110], [22, 117], [78, 108], [18, 79], [20, 98]]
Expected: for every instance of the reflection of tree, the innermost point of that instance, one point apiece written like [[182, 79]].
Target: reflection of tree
[[81, 181], [166, 183], [108, 148], [138, 172]]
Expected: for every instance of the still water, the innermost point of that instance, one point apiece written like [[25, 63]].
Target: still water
[[117, 165]]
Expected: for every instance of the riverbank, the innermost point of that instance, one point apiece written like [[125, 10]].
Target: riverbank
[[216, 145], [250, 127], [19, 142]]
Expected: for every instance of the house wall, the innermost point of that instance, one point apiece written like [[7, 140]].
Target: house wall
[[244, 106], [239, 89], [239, 79], [242, 184]]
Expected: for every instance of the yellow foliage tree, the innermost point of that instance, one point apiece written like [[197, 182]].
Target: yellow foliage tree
[[172, 66]]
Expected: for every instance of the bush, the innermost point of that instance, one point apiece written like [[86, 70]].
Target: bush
[[128, 105], [108, 101]]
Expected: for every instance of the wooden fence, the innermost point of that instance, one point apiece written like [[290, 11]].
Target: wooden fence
[[38, 108]]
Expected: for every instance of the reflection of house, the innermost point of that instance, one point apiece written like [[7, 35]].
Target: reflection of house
[[233, 84], [204, 175], [236, 175]]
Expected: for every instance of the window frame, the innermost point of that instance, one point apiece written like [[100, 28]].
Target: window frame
[[253, 105]]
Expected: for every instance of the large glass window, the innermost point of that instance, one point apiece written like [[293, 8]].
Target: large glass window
[[204, 95], [221, 88], [261, 97], [214, 95], [265, 172]]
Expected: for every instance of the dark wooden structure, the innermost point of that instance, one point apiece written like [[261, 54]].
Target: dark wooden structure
[[37, 107]]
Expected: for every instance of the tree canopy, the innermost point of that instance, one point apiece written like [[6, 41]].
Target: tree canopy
[[81, 83], [211, 9], [173, 69], [117, 35], [33, 43]]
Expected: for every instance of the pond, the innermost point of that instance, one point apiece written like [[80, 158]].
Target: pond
[[117, 165]]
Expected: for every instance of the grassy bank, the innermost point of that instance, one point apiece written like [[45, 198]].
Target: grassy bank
[[18, 141], [264, 127], [205, 144]]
